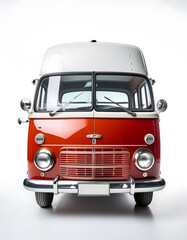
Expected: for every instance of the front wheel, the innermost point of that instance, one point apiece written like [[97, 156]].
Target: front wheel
[[44, 200], [143, 199]]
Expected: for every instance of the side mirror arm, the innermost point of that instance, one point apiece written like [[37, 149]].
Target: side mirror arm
[[21, 121], [35, 81], [152, 81]]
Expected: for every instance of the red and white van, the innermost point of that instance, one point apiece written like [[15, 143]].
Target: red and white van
[[93, 128]]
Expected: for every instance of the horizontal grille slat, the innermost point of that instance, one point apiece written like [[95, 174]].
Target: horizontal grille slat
[[94, 163]]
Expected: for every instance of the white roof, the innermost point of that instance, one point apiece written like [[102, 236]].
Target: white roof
[[93, 56]]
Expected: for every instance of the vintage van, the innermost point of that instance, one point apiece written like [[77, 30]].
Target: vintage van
[[93, 128]]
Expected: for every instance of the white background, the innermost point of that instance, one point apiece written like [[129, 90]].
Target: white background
[[27, 29]]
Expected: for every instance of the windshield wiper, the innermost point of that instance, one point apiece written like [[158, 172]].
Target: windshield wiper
[[125, 109], [63, 107]]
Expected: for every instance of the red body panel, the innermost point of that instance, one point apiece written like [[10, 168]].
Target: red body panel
[[126, 133], [58, 132], [131, 133]]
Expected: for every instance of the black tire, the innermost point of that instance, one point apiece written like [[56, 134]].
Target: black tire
[[143, 199], [44, 200]]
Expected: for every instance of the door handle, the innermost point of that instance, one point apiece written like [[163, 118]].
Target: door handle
[[94, 136]]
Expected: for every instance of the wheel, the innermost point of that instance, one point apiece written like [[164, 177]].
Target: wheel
[[143, 199], [44, 200]]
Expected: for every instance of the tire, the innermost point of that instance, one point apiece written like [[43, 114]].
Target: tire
[[143, 199], [44, 200]]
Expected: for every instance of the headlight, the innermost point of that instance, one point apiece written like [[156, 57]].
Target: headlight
[[144, 159], [44, 160]]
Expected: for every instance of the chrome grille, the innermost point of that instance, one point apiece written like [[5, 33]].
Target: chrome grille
[[94, 163]]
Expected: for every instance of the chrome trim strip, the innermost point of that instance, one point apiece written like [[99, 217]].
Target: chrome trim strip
[[93, 114], [64, 145], [124, 115], [61, 115], [131, 186]]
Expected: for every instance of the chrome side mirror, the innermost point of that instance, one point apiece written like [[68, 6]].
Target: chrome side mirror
[[25, 104], [161, 105]]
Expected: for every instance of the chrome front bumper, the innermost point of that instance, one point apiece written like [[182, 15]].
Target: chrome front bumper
[[94, 188]]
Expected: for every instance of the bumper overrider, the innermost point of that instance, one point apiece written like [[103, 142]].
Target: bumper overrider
[[94, 188]]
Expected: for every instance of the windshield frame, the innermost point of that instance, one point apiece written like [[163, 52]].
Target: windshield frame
[[93, 94]]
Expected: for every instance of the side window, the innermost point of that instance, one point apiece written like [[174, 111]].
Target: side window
[[41, 104], [43, 100], [135, 98], [143, 97], [148, 96]]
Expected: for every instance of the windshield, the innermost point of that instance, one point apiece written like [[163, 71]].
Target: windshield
[[112, 92], [130, 92], [71, 92]]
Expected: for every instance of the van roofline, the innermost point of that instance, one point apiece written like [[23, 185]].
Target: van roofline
[[94, 56]]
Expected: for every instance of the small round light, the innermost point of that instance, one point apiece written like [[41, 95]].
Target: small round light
[[39, 138], [144, 174], [144, 159], [149, 139], [44, 160], [42, 174]]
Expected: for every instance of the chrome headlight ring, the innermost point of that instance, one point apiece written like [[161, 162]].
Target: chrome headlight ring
[[44, 160], [144, 159]]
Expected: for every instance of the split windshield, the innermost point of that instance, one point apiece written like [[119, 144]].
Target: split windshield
[[83, 92]]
